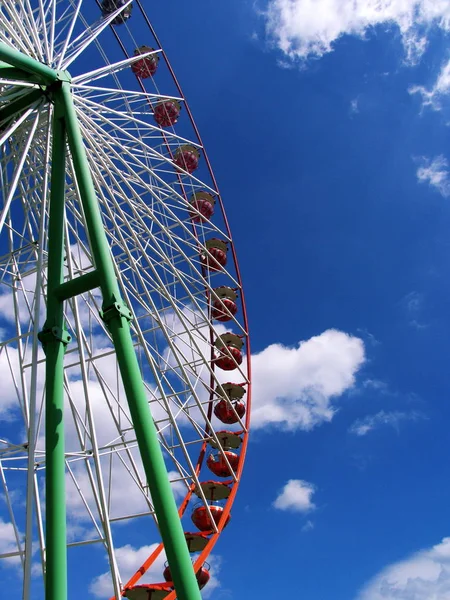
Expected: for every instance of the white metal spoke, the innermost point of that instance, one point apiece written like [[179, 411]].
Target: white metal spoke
[[17, 174], [110, 68], [91, 36], [67, 40], [15, 29]]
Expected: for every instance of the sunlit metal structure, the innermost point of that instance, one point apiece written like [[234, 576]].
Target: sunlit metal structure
[[118, 269]]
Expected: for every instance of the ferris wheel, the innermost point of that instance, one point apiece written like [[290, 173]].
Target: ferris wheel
[[124, 351]]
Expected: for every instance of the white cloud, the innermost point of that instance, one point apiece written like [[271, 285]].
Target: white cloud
[[126, 496], [423, 576], [10, 376], [296, 496], [436, 173], [293, 387], [393, 419], [304, 28], [130, 558], [8, 543], [433, 96]]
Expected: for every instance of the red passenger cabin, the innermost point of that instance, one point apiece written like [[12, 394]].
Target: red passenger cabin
[[187, 157], [203, 202], [202, 520], [196, 542], [225, 439], [214, 258], [230, 356], [224, 442], [147, 591], [217, 463], [230, 408], [166, 113], [202, 575], [145, 67], [110, 6], [224, 306]]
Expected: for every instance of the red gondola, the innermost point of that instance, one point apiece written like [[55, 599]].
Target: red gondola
[[109, 6], [223, 303], [202, 575], [202, 520], [230, 355], [166, 113], [145, 67], [229, 412], [203, 202], [215, 256], [187, 157], [216, 463]]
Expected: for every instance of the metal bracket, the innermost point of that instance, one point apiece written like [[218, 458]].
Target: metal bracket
[[64, 76], [118, 309], [54, 334]]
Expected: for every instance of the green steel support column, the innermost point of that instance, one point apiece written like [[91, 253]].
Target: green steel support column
[[117, 317], [54, 339]]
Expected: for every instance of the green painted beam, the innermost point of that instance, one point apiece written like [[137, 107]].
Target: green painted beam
[[54, 339], [13, 57], [117, 316], [78, 285], [8, 72], [18, 106]]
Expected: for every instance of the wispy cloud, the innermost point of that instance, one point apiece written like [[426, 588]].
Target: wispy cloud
[[391, 419], [436, 173], [413, 304], [370, 338], [354, 106], [377, 385], [434, 96], [301, 28], [296, 496], [308, 526], [377, 390], [374, 387]]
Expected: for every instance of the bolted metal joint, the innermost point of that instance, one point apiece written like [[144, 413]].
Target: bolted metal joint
[[54, 334], [118, 309], [64, 76]]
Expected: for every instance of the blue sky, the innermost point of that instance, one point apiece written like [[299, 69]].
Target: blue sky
[[335, 178], [327, 127]]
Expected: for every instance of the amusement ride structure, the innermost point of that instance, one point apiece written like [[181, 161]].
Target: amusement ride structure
[[124, 352]]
